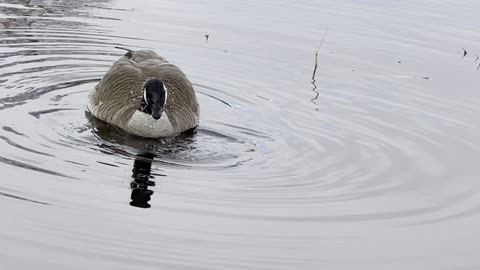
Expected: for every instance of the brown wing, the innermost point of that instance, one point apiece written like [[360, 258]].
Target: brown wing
[[119, 93]]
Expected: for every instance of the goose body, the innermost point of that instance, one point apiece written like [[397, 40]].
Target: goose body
[[145, 95]]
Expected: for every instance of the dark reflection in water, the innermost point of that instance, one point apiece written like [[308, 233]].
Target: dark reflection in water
[[114, 141], [39, 14], [57, 8], [142, 180]]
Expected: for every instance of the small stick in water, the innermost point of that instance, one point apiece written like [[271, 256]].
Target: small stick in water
[[315, 69], [316, 64], [316, 54]]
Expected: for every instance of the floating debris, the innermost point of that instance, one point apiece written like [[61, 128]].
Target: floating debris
[[315, 69], [476, 58]]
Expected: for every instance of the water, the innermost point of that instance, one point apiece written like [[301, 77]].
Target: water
[[379, 170]]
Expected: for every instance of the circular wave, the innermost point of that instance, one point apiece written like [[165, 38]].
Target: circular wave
[[356, 148], [274, 172]]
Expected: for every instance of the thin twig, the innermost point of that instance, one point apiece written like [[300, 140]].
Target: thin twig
[[316, 64], [315, 68], [316, 53]]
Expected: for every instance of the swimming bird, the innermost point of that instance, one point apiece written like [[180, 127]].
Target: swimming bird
[[143, 94]]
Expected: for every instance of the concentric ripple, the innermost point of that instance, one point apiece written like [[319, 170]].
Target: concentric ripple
[[379, 170]]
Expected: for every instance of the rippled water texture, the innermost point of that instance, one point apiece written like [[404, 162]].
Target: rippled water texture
[[373, 165]]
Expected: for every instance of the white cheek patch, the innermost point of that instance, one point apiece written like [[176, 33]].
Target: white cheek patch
[[166, 95], [145, 91], [145, 95]]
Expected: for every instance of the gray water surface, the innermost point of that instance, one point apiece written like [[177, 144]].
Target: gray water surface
[[372, 165]]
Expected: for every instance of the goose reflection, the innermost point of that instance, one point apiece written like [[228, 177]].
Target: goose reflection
[[113, 141], [142, 180]]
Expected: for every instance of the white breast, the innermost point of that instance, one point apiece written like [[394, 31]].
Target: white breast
[[144, 125]]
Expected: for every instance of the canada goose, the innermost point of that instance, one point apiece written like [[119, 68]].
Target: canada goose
[[145, 95]]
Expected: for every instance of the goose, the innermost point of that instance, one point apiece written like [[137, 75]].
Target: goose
[[145, 95]]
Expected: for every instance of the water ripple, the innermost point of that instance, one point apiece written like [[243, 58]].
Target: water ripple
[[30, 167], [268, 180]]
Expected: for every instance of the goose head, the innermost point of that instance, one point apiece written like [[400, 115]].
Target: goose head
[[154, 98]]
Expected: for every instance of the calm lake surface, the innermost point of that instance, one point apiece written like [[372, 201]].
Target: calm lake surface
[[373, 165]]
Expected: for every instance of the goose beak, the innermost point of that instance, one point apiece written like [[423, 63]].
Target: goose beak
[[157, 115], [157, 111]]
